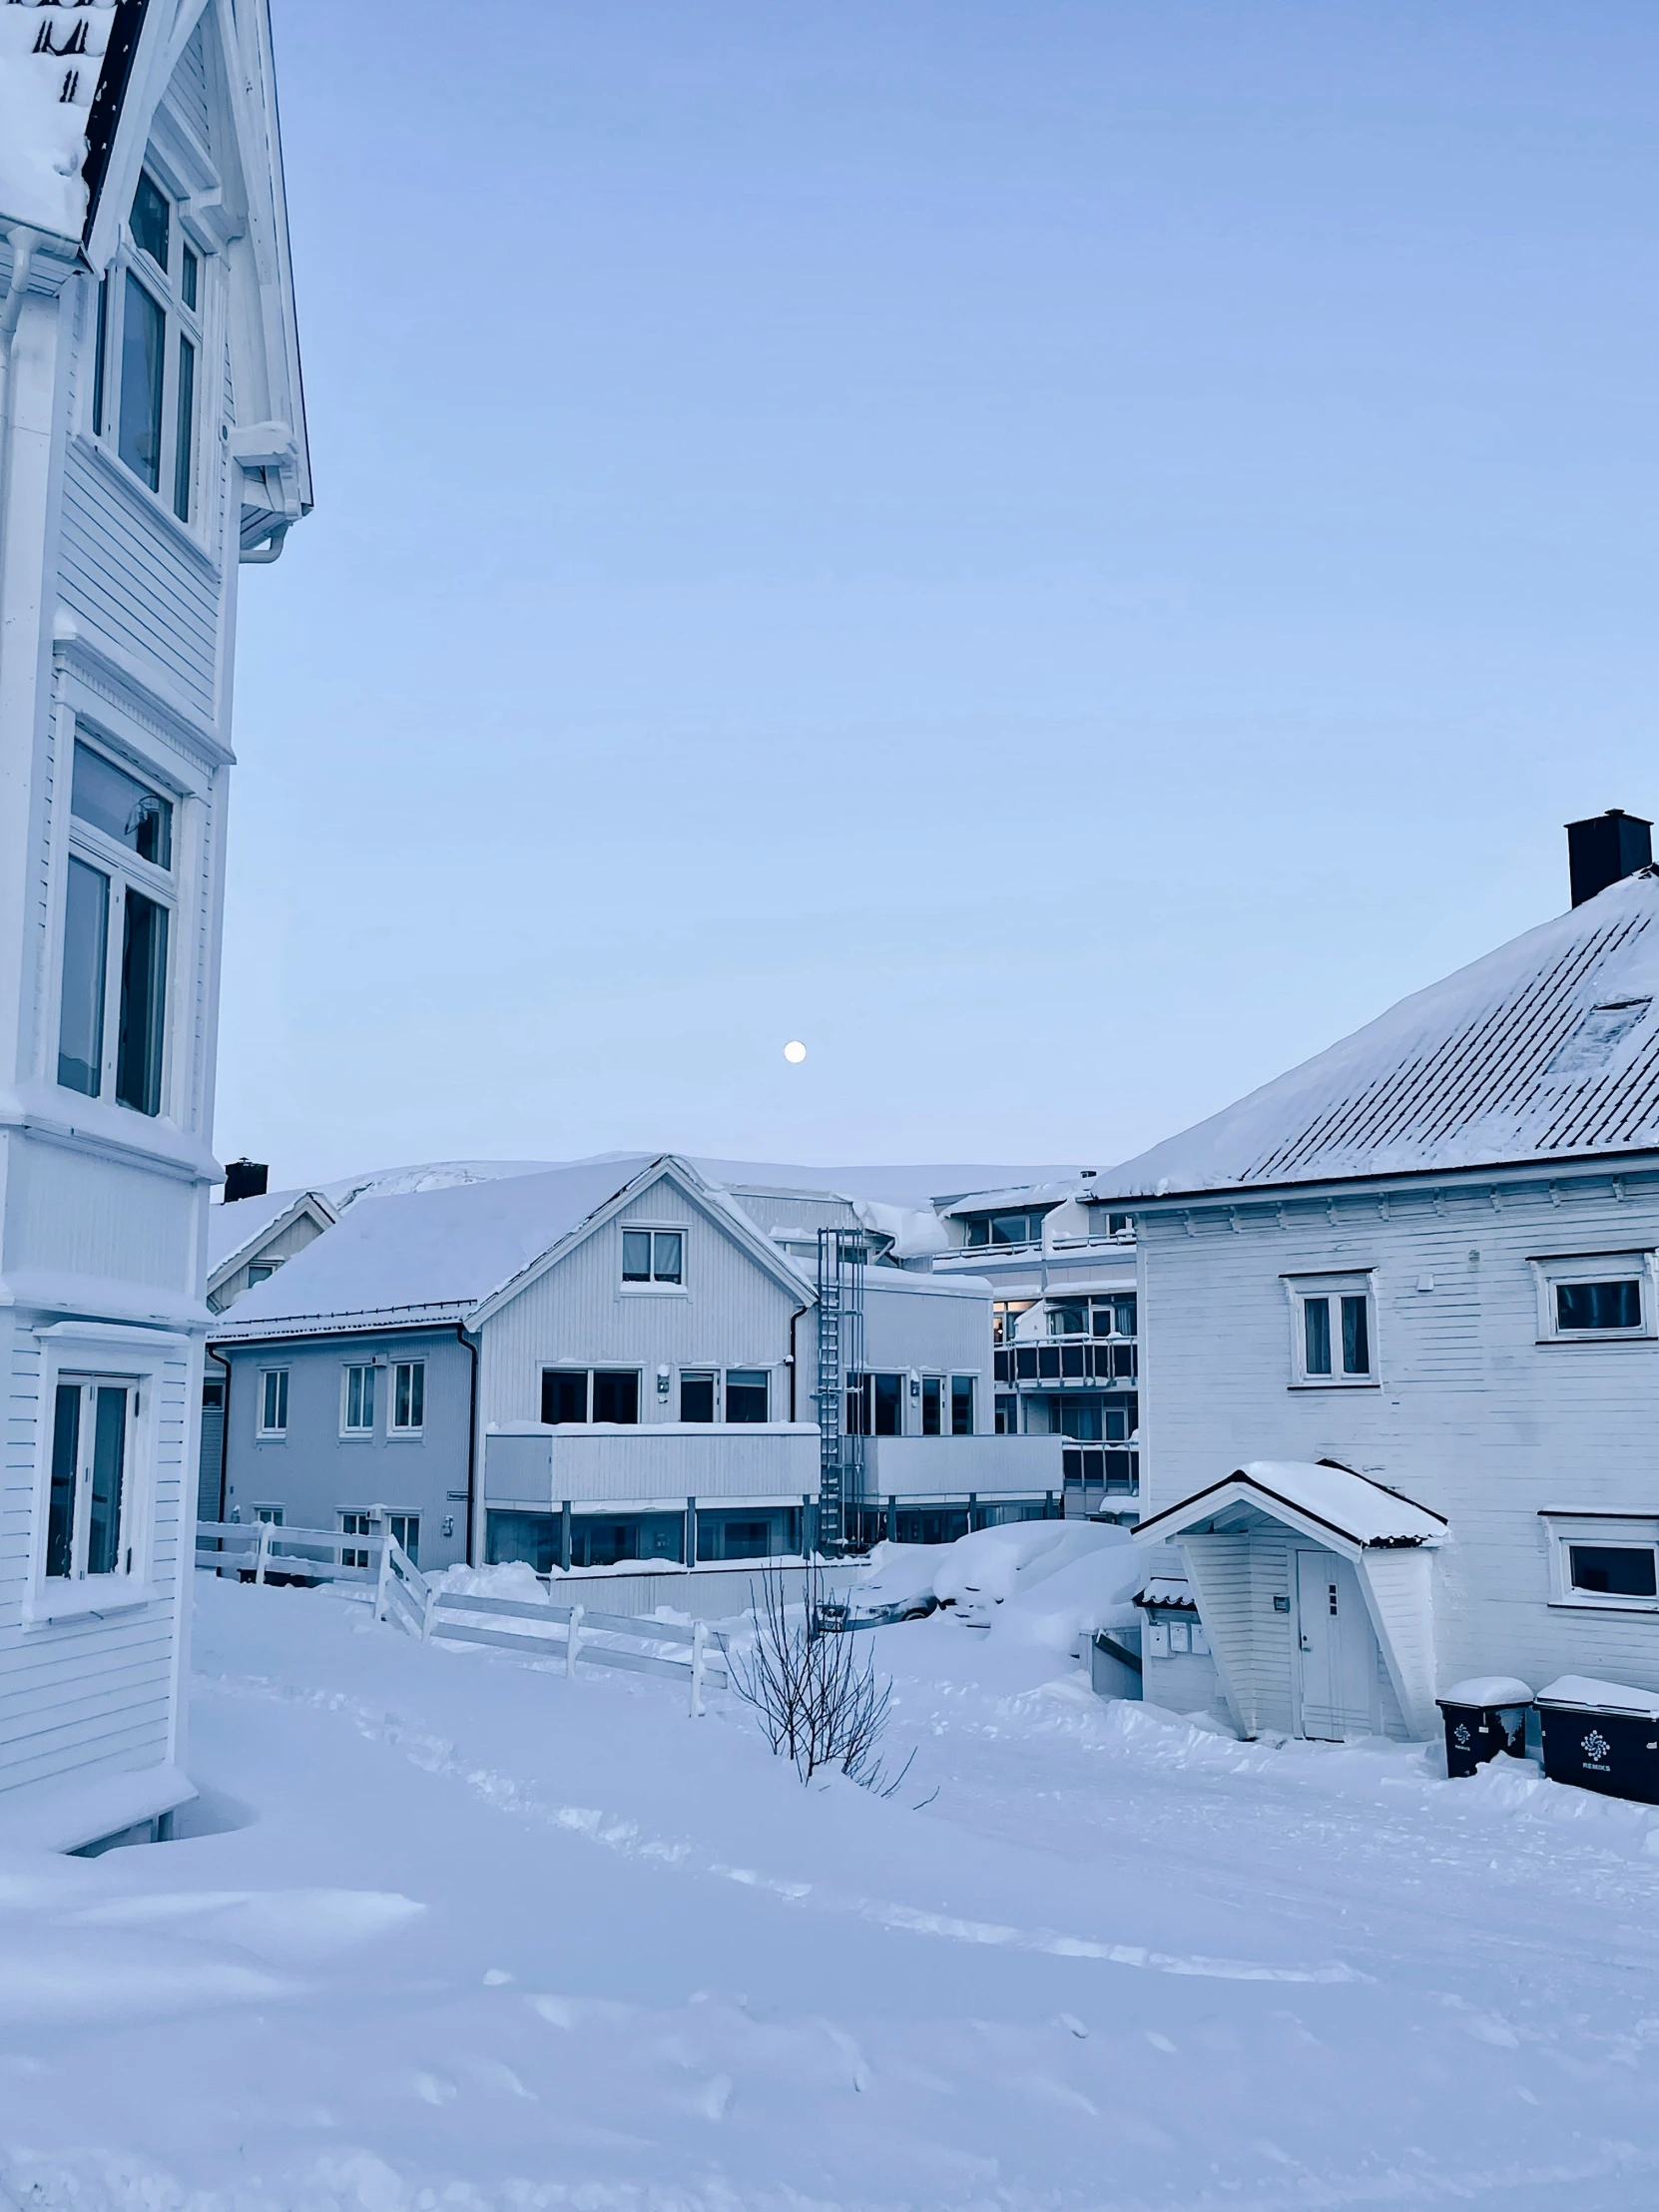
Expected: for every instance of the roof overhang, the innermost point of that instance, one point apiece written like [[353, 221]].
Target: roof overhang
[[1329, 1504]]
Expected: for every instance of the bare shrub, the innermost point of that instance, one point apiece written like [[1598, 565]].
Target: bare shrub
[[819, 1704]]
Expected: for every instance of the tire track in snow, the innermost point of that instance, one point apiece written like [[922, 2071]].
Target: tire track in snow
[[506, 1794]]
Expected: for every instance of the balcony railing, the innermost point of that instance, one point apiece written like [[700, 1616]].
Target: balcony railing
[[1114, 1360], [1100, 1471]]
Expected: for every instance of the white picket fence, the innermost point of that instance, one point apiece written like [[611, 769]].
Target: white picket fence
[[403, 1596]]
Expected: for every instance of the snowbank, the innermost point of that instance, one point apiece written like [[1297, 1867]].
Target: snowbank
[[987, 1569]]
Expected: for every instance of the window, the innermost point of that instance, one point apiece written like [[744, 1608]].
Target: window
[[745, 1394], [358, 1401], [1005, 1319], [1607, 1306], [1597, 1297], [115, 926], [273, 1401], [1116, 1316], [564, 1393], [408, 1402], [150, 334], [87, 1506], [615, 1396], [961, 1406], [405, 1531], [1604, 1562], [1069, 1318], [260, 1272], [1332, 1329], [933, 1393], [356, 1524], [653, 1256], [697, 1398], [1007, 1415], [604, 1395], [1006, 1229], [1613, 1570], [875, 1405], [272, 1515]]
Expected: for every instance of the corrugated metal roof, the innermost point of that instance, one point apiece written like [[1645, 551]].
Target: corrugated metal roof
[[1546, 1049]]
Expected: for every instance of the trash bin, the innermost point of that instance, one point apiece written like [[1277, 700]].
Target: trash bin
[[1483, 1716], [1601, 1736]]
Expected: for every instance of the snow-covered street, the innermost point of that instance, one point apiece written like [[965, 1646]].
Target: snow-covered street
[[466, 1933]]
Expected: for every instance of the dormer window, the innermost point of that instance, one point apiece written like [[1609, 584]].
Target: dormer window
[[147, 343], [1006, 1229]]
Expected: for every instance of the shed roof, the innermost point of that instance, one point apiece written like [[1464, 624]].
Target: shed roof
[[1331, 1497], [1545, 1050]]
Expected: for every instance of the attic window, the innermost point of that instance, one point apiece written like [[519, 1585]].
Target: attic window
[[1598, 1036]]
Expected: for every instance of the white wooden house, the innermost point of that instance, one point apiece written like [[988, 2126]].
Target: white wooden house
[[1400, 1368], [150, 437]]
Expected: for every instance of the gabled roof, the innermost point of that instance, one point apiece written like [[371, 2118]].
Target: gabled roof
[[1317, 1496], [436, 1257], [1545, 1050], [235, 1231]]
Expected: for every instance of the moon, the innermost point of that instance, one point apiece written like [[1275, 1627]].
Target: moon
[[795, 1052]]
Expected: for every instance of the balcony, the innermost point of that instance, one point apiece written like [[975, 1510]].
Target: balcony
[[1094, 1472], [1069, 1361]]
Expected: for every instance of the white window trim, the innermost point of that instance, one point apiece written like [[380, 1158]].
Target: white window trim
[[83, 841], [1626, 1530], [1337, 1283], [411, 1431], [1596, 1267], [653, 1289], [270, 1436], [128, 1356], [200, 325], [356, 1435]]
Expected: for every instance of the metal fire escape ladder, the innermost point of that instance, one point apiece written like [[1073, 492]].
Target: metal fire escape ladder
[[841, 1353]]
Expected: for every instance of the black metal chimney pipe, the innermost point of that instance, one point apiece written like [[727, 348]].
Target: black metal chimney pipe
[[1605, 850], [245, 1179]]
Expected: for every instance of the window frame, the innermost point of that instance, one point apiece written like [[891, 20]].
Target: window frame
[[280, 1376], [1333, 1285], [97, 1351], [125, 874], [1563, 1530], [411, 1430], [654, 1286], [1550, 1270], [363, 1431], [180, 319], [729, 1384]]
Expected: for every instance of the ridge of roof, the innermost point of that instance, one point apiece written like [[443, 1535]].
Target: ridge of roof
[[1545, 1049]]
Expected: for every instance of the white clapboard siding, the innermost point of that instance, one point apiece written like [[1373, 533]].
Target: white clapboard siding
[[1472, 1415], [141, 585]]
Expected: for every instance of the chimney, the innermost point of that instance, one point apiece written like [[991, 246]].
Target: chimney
[[250, 1178], [1605, 850]]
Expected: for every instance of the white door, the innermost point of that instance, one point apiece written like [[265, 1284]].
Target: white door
[[1338, 1657]]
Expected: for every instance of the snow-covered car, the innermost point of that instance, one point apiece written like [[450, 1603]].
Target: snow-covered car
[[983, 1571], [896, 1585]]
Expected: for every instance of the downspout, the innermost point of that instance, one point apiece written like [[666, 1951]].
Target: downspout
[[793, 1317], [224, 1427], [471, 1344]]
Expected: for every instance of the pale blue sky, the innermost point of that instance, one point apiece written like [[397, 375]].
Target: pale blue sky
[[1066, 554]]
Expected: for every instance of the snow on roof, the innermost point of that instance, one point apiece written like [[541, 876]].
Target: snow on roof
[[916, 1188], [429, 1254], [1348, 1504], [1047, 1187], [1546, 1049], [1166, 1590], [51, 55], [232, 1228]]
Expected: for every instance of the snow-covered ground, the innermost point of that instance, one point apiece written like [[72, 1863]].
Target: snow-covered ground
[[468, 1935]]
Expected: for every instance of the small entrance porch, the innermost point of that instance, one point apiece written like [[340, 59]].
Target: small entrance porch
[[1314, 1584]]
